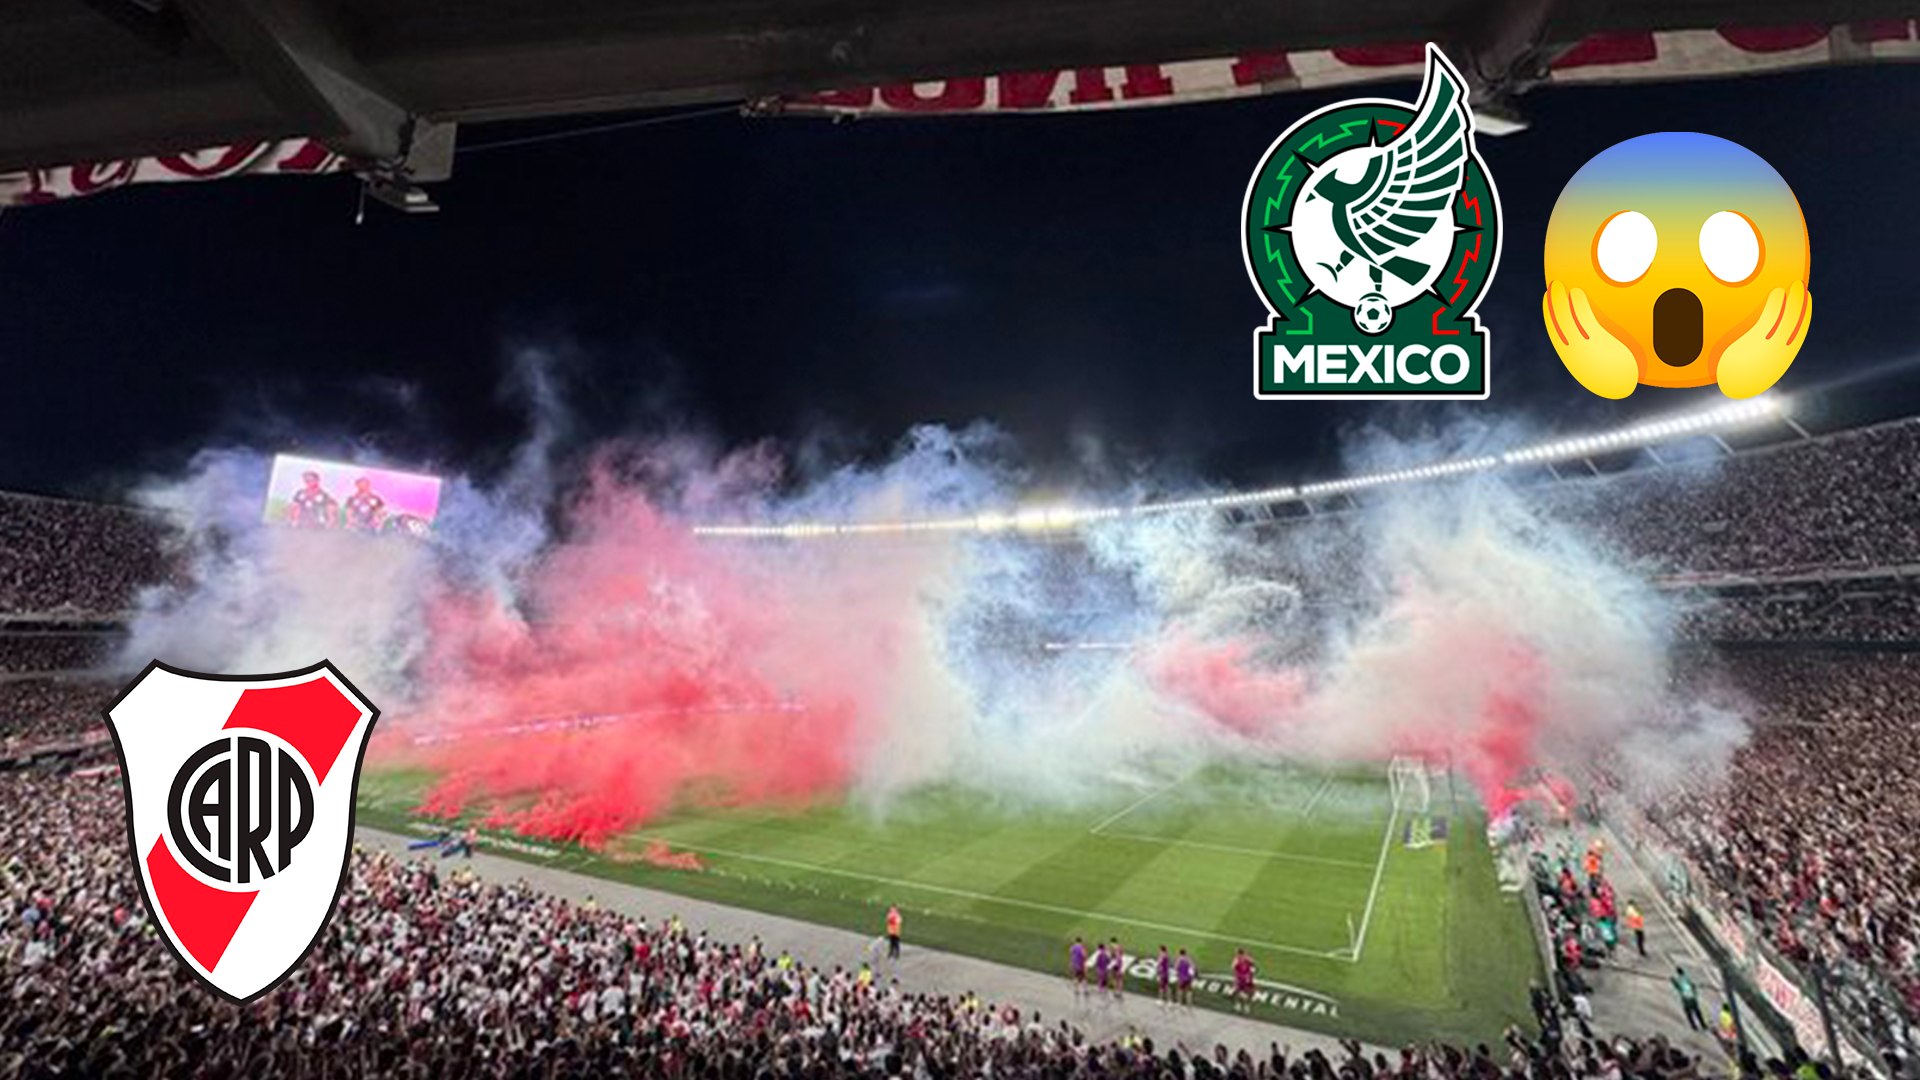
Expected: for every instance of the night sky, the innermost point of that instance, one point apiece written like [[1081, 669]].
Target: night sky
[[1076, 280]]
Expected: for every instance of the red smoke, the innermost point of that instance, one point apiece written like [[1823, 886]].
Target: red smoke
[[1497, 687], [1476, 707], [1222, 680], [647, 664], [637, 665]]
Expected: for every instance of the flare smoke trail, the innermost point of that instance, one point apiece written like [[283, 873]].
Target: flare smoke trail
[[572, 659]]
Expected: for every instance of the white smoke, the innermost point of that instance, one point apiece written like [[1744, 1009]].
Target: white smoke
[[1468, 620]]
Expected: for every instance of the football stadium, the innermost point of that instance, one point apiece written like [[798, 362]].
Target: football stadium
[[735, 542]]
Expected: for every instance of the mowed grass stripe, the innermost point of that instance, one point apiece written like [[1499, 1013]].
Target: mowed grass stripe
[[1406, 953], [1277, 828], [976, 857], [1318, 892], [1196, 889], [829, 840], [1081, 874], [1217, 877], [1447, 953], [1269, 855], [1307, 904], [965, 894]]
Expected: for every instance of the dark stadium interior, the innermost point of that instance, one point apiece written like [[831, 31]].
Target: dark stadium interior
[[665, 328]]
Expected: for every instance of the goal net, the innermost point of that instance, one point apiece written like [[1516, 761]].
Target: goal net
[[1411, 785]]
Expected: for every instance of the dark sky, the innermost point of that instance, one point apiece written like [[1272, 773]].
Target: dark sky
[[1075, 279]]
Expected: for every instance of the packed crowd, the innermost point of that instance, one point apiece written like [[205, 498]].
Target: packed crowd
[[62, 557], [425, 972], [1814, 838], [63, 650], [35, 711], [1846, 501], [1880, 612], [1849, 501]]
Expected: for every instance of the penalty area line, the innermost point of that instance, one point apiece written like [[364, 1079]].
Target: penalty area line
[[1258, 853], [1135, 805], [1373, 894], [1327, 782], [1004, 901]]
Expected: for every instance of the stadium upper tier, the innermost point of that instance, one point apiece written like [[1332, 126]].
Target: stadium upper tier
[[1049, 518], [1840, 503]]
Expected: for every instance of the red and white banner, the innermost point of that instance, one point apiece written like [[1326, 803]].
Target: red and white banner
[[1603, 58], [295, 157], [1786, 996], [1612, 57]]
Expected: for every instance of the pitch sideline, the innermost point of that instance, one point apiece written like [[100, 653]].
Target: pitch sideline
[[1004, 901]]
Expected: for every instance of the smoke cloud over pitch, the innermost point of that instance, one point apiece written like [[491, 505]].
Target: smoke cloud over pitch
[[574, 661]]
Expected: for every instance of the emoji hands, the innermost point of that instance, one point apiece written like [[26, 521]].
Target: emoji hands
[[1601, 362], [1758, 358]]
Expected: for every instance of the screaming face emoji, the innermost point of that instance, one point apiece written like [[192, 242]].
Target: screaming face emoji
[[1677, 259]]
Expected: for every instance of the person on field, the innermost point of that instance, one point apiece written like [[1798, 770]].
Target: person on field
[[1183, 978], [893, 932], [1729, 1028], [1243, 970], [1637, 924], [1077, 966], [1689, 999], [1163, 976], [462, 846]]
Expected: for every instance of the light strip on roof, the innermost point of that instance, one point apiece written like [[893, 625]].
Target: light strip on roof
[[1042, 519]]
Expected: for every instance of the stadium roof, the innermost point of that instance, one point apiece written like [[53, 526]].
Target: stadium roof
[[381, 80]]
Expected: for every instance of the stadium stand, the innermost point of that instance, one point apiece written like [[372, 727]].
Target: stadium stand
[[59, 556], [1842, 501], [1814, 838], [1876, 612], [426, 973], [34, 711], [59, 650]]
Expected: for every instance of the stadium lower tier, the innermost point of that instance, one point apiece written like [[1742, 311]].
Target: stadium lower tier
[[1364, 918]]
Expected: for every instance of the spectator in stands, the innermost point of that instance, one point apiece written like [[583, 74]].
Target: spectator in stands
[[425, 973]]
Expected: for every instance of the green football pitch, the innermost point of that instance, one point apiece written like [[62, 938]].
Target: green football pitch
[[1355, 930]]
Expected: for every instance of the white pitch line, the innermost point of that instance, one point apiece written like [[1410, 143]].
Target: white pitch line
[[988, 898], [1135, 805], [1325, 783], [1360, 940], [1148, 838]]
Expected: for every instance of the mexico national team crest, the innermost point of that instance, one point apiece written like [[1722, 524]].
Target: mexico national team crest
[[240, 808], [1371, 230]]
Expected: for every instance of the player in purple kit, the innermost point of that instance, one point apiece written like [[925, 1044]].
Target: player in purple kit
[[1163, 976], [1077, 966], [1100, 962], [1243, 970], [1119, 961], [1183, 977]]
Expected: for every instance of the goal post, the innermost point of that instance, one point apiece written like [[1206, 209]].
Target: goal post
[[1409, 780]]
